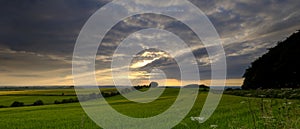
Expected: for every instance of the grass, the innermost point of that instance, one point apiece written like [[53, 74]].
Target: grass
[[233, 112], [48, 96], [49, 92], [27, 100]]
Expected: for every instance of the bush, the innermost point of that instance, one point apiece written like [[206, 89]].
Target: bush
[[71, 100], [65, 101], [74, 100], [57, 102], [114, 93], [17, 104], [106, 94], [38, 102]]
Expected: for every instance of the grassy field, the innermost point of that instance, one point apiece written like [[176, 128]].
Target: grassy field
[[30, 96], [233, 112]]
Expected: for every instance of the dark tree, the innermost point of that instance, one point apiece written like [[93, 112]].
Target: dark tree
[[38, 102], [153, 84], [57, 102], [203, 86], [278, 68], [17, 104]]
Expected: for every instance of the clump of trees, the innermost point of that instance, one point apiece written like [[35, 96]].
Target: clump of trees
[[70, 100], [20, 104], [38, 102], [110, 94], [17, 104], [57, 102], [278, 68], [140, 87], [201, 87], [152, 85]]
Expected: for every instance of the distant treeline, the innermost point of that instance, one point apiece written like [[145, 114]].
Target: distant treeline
[[70, 100], [16, 88]]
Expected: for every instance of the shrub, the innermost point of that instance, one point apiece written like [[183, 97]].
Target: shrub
[[74, 100], [38, 102], [57, 102], [71, 100], [65, 101], [106, 94], [114, 93], [17, 104]]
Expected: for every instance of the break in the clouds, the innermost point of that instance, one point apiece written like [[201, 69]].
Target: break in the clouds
[[37, 38]]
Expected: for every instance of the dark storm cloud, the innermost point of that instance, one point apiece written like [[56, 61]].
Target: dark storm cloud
[[248, 28], [39, 36], [43, 26], [232, 16], [30, 61], [139, 22]]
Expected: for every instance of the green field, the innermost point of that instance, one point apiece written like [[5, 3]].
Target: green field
[[233, 111]]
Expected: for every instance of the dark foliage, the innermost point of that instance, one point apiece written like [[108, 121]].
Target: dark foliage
[[71, 100], [38, 102], [17, 104], [153, 84], [141, 87], [201, 87], [110, 94], [57, 102], [1, 106], [278, 68], [267, 93]]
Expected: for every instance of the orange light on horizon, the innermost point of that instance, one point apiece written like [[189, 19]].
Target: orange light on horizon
[[175, 82]]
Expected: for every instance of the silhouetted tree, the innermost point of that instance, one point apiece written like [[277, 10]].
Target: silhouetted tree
[[153, 84], [38, 102], [17, 104], [57, 102], [278, 68]]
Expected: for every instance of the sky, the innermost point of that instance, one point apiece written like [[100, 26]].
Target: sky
[[37, 39]]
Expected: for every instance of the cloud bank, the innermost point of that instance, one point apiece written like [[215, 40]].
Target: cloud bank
[[37, 37]]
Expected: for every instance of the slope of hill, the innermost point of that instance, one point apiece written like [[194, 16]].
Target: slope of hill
[[278, 68]]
